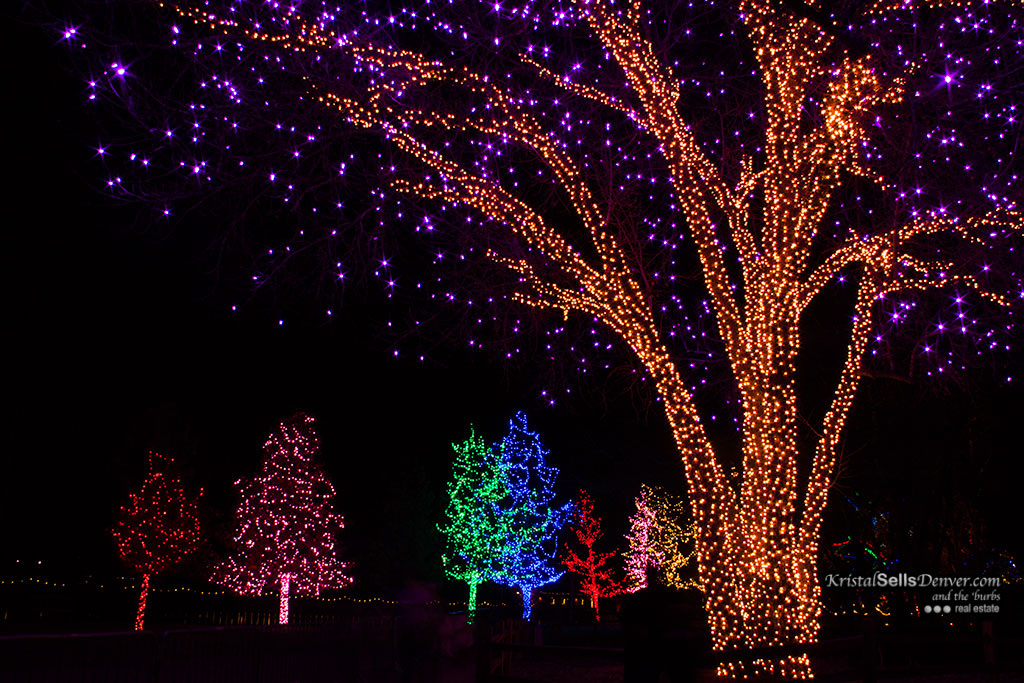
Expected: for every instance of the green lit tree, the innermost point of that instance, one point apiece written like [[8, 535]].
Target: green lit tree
[[473, 523]]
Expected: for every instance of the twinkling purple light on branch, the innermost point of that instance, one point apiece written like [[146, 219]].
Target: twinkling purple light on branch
[[251, 107], [691, 185]]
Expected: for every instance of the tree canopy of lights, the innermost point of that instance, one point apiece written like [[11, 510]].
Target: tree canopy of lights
[[531, 520], [596, 580], [287, 527], [472, 524], [158, 528], [659, 539], [847, 166]]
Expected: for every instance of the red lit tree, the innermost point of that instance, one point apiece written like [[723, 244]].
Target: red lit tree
[[286, 525], [596, 576], [158, 527]]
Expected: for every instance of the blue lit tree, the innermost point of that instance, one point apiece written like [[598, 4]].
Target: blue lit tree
[[532, 520], [473, 521]]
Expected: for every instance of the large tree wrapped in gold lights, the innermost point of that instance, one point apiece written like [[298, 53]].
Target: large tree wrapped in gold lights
[[694, 183]]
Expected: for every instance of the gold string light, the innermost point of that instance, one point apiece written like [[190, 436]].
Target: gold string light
[[756, 543]]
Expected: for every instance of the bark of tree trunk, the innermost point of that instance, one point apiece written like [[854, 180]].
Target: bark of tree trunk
[[527, 597], [759, 579], [282, 608], [471, 603], [140, 613], [773, 603]]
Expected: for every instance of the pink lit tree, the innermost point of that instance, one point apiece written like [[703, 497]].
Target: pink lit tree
[[659, 540], [286, 524], [158, 528], [592, 567], [642, 551]]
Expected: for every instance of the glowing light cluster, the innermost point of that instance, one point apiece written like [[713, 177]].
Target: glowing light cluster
[[158, 528], [473, 524], [532, 519], [659, 540], [596, 579], [867, 148], [287, 527], [501, 523]]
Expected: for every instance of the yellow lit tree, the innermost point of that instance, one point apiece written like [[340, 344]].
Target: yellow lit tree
[[659, 539], [762, 217]]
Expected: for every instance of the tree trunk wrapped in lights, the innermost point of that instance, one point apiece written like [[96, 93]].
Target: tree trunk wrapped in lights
[[769, 218]]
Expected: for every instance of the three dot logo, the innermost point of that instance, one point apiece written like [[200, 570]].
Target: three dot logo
[[937, 609]]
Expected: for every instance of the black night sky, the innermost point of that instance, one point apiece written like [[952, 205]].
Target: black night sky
[[121, 340]]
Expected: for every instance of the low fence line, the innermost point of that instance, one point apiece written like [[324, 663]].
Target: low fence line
[[375, 648], [209, 655], [868, 652]]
